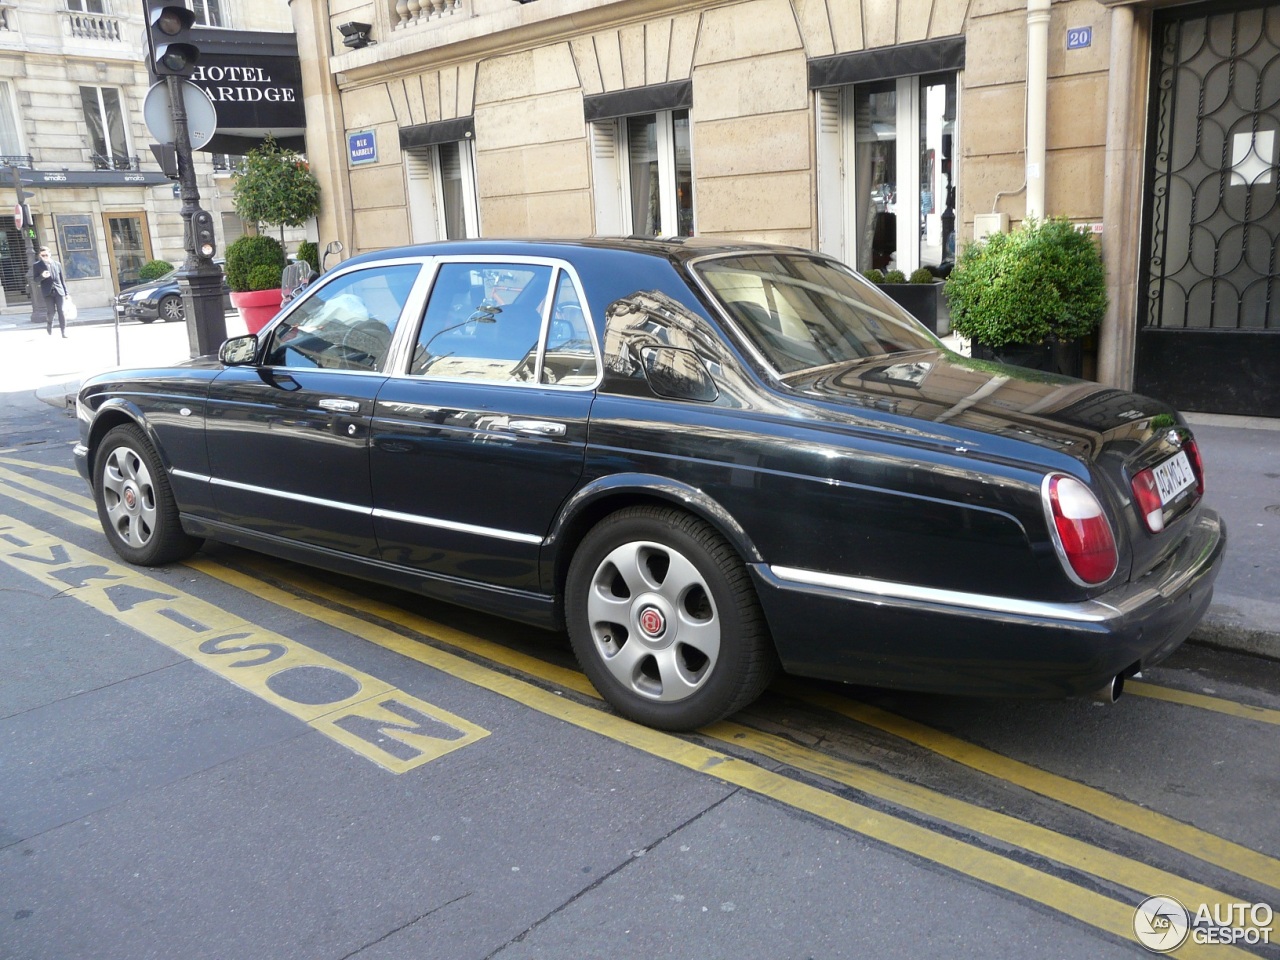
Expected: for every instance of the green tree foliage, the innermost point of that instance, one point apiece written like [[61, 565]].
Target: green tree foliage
[[1044, 281], [275, 186]]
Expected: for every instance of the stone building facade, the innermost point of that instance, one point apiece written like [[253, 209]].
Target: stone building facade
[[882, 131], [73, 82]]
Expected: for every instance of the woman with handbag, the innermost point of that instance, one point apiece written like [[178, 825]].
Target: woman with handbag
[[49, 274]]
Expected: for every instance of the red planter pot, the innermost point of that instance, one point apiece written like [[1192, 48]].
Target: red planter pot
[[256, 307]]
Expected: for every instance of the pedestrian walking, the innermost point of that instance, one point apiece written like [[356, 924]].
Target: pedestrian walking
[[48, 273]]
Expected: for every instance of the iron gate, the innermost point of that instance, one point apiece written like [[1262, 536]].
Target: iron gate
[[1208, 334]]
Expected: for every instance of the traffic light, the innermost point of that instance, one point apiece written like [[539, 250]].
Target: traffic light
[[202, 228], [169, 39]]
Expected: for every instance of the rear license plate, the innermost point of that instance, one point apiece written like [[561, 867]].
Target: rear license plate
[[1173, 476]]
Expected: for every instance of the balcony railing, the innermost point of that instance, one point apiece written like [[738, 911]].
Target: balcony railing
[[93, 26], [114, 163], [406, 13]]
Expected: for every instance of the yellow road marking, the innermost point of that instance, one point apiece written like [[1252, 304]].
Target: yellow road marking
[[1039, 840], [1203, 701], [388, 726], [1065, 896], [36, 465], [1148, 823], [1042, 841]]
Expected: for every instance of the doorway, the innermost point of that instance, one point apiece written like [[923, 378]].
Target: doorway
[[1208, 334], [128, 245], [898, 136]]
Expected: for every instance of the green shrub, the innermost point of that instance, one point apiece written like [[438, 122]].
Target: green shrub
[[309, 252], [246, 258], [1044, 281], [895, 276], [154, 270], [922, 275], [875, 276]]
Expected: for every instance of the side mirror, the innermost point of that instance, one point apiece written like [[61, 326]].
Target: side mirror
[[239, 351], [677, 374], [332, 249]]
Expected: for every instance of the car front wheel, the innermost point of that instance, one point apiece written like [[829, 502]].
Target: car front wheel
[[171, 309], [664, 620], [135, 501]]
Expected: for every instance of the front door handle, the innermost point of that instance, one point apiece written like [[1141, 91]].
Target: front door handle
[[536, 428], [334, 405]]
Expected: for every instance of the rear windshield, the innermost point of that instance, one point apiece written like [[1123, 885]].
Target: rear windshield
[[803, 312]]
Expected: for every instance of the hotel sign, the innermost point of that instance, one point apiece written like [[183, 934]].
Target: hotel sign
[[255, 82]]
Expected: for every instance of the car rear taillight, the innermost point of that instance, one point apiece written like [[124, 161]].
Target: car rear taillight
[[1147, 496], [1146, 490], [1192, 451], [1081, 531]]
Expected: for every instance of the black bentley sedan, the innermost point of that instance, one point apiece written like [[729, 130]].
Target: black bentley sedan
[[704, 461]]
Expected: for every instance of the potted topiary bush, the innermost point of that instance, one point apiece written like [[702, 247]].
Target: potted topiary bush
[[917, 294], [309, 252], [1030, 297], [272, 186], [154, 270], [254, 267]]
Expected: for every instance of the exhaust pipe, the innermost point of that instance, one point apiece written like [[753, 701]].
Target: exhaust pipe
[[1111, 692]]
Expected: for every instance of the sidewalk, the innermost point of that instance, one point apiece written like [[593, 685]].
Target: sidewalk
[[1241, 455]]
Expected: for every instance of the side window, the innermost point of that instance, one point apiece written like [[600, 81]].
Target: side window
[[346, 324], [483, 322], [570, 359]]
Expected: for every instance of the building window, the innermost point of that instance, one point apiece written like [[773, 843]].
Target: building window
[[898, 137], [227, 162], [10, 133], [208, 12], [104, 119], [649, 157], [443, 200], [87, 6]]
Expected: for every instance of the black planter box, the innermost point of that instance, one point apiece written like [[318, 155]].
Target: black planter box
[[919, 299], [1053, 356]]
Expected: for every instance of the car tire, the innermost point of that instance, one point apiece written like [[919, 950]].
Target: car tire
[[170, 309], [135, 501], [694, 644]]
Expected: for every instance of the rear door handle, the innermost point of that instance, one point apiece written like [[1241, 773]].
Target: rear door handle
[[536, 428], [339, 406]]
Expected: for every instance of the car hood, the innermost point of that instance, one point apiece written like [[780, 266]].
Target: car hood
[[966, 396]]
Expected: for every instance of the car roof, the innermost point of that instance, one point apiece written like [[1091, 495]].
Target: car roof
[[677, 249]]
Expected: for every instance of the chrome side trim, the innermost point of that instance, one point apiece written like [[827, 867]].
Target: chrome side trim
[[188, 475], [298, 497], [1088, 611], [459, 527], [383, 514]]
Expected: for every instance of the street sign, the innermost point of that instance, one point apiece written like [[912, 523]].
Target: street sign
[[202, 118]]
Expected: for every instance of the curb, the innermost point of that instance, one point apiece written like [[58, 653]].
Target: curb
[[1240, 625]]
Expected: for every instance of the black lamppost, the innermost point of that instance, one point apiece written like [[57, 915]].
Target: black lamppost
[[172, 58]]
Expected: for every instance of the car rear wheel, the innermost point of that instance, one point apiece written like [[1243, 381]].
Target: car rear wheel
[[135, 501], [170, 309], [664, 620]]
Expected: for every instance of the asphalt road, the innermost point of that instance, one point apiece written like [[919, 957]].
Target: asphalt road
[[239, 757]]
